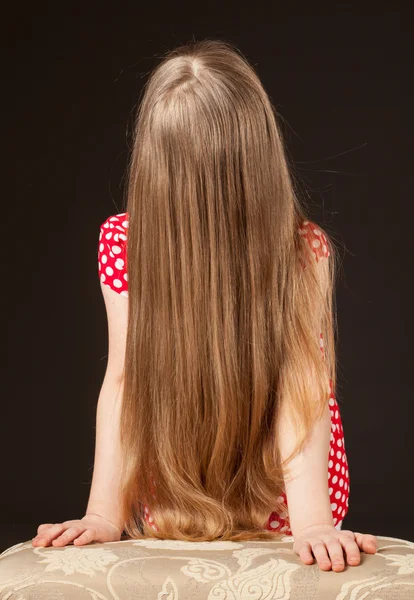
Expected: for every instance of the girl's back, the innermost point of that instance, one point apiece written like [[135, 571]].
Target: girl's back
[[113, 272]]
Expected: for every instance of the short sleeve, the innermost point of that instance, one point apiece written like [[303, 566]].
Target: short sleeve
[[319, 245], [112, 259], [316, 239]]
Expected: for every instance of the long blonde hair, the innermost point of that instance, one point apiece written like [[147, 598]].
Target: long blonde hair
[[226, 304]]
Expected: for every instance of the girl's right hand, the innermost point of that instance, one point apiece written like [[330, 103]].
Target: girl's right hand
[[91, 528]]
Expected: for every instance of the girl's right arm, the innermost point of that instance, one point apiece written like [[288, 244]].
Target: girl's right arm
[[102, 521]]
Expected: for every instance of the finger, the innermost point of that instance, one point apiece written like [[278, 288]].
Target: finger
[[45, 538], [85, 538], [305, 553], [70, 534], [321, 554], [348, 533], [336, 554], [367, 543], [43, 527], [352, 554]]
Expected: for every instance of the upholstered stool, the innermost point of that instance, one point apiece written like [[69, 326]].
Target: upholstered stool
[[171, 570]]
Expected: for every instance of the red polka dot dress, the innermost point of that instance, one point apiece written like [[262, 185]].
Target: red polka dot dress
[[112, 268]]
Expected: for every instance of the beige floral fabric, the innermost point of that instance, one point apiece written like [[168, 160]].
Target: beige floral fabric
[[173, 570]]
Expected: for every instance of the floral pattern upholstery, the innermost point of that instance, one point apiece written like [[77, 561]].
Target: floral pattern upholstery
[[175, 570]]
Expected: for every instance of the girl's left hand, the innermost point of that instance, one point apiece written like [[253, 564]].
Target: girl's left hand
[[329, 545]]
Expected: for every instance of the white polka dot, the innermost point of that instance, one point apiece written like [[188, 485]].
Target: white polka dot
[[104, 258], [103, 277], [123, 237], [341, 482], [339, 454], [347, 502], [324, 248], [116, 249], [337, 467], [114, 219], [332, 414], [331, 452], [99, 266], [347, 473], [119, 263], [111, 255], [334, 506], [124, 293], [334, 478], [280, 499], [274, 524], [342, 470], [343, 457], [316, 243], [345, 485], [330, 464], [125, 223], [117, 283], [338, 495], [111, 226], [343, 497], [343, 512], [106, 225], [101, 247], [126, 276], [331, 401], [108, 235], [336, 414], [116, 237], [339, 442], [330, 491], [317, 231], [109, 271], [335, 520]]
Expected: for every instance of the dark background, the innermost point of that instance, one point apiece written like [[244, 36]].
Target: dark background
[[72, 82]]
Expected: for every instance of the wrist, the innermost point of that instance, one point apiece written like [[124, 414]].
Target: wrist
[[100, 516], [298, 531]]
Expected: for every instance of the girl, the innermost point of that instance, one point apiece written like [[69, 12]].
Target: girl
[[217, 416]]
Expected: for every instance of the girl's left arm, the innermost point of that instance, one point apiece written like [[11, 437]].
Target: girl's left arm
[[309, 508], [306, 482]]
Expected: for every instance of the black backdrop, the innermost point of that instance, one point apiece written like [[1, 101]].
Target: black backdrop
[[73, 80]]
